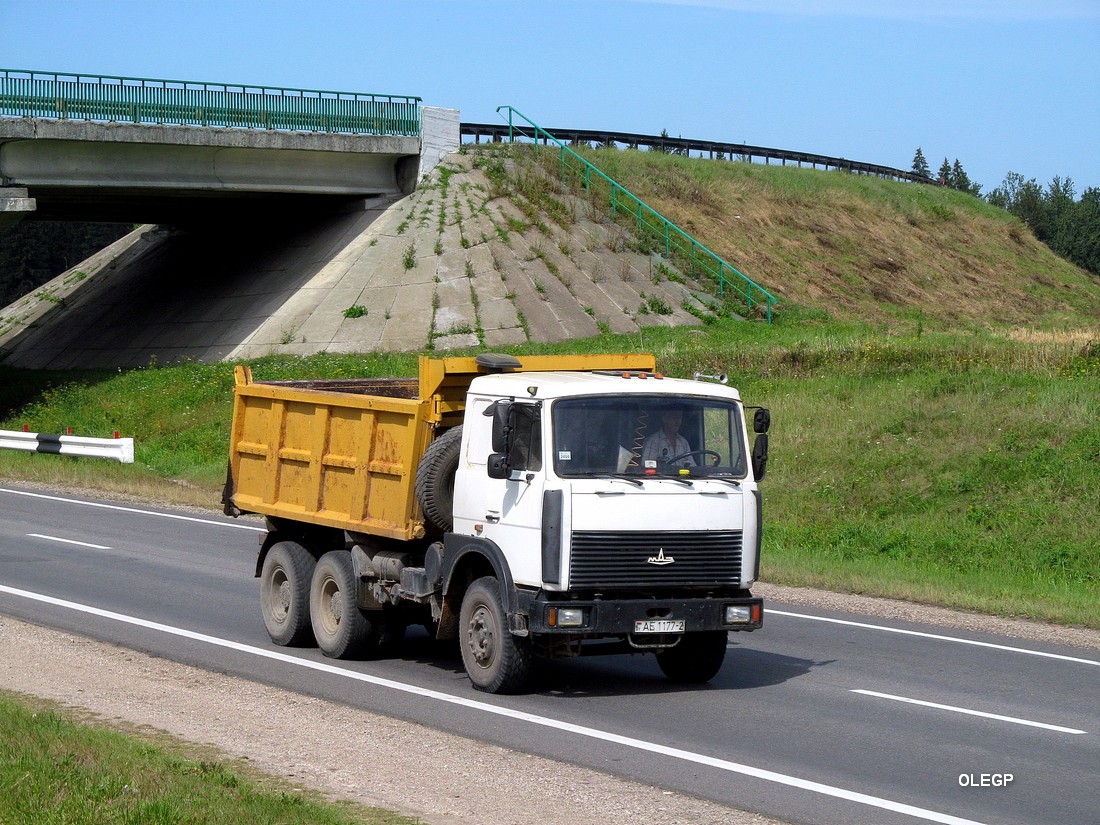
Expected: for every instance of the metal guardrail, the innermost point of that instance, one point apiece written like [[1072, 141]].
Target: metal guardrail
[[64, 96], [116, 449], [714, 148], [650, 223]]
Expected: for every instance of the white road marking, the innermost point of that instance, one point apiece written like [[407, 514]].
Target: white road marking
[[968, 712], [135, 510], [955, 639], [69, 541], [531, 718], [769, 610]]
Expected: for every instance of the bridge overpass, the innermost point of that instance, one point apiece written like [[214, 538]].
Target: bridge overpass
[[266, 213], [76, 147], [282, 221]]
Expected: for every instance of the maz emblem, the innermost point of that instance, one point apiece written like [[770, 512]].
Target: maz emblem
[[661, 558]]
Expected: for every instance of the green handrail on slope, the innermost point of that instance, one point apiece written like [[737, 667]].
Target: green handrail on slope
[[674, 237]]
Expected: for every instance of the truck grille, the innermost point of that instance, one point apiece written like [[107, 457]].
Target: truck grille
[[622, 559]]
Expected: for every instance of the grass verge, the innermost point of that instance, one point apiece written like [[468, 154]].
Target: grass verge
[[56, 771]]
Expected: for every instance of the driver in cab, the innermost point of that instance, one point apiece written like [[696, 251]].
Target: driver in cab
[[667, 444]]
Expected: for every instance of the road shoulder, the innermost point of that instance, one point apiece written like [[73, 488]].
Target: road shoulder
[[341, 751]]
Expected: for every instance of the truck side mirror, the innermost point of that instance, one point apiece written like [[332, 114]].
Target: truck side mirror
[[499, 466], [760, 456], [501, 411], [761, 421]]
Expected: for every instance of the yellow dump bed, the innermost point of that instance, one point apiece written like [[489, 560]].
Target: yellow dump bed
[[344, 453]]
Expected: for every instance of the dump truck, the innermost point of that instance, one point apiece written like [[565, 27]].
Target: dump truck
[[534, 506]]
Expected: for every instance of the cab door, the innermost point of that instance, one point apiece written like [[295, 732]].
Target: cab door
[[507, 511]]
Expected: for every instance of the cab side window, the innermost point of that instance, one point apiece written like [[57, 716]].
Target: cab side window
[[480, 444], [526, 452]]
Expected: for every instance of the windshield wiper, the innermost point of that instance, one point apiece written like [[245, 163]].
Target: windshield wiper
[[681, 479], [616, 477], [732, 481]]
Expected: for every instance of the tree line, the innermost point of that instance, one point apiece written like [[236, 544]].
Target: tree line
[[34, 252], [951, 174], [1068, 225]]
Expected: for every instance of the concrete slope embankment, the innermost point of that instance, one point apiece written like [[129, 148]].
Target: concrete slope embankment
[[451, 265]]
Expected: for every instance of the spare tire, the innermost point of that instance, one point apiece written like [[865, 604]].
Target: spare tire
[[435, 479]]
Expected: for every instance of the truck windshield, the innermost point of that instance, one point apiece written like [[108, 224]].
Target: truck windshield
[[648, 435]]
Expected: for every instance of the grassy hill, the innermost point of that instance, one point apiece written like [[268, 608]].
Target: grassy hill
[[933, 374], [863, 248]]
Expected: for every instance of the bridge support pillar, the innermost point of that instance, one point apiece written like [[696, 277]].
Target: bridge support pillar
[[439, 136], [14, 205]]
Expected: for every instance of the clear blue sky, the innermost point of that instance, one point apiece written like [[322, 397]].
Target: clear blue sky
[[1000, 84]]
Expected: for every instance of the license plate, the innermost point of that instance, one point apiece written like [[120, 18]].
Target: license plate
[[659, 626]]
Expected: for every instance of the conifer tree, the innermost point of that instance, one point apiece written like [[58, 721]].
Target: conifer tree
[[945, 173], [961, 181], [920, 165], [959, 178]]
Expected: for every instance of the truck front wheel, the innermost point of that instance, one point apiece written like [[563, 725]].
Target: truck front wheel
[[339, 626], [495, 660], [284, 593], [697, 658]]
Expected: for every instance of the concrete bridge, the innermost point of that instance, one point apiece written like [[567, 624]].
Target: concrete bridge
[[259, 241], [75, 170], [74, 147], [86, 171]]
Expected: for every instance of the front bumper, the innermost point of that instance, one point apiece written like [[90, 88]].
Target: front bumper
[[617, 617]]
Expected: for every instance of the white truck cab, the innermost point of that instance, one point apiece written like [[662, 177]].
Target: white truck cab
[[622, 506]]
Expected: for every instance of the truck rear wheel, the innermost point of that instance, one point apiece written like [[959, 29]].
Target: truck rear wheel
[[339, 626], [495, 660], [435, 479], [697, 658], [284, 593]]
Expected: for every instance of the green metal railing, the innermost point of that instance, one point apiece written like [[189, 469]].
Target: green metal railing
[[190, 103], [649, 223]]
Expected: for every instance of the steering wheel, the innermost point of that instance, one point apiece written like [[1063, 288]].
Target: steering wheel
[[700, 453]]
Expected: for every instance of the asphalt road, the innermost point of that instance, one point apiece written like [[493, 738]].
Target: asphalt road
[[821, 717]]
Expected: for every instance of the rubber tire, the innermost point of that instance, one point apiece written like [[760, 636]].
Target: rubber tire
[[435, 479], [284, 593], [495, 660], [697, 658], [340, 627]]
